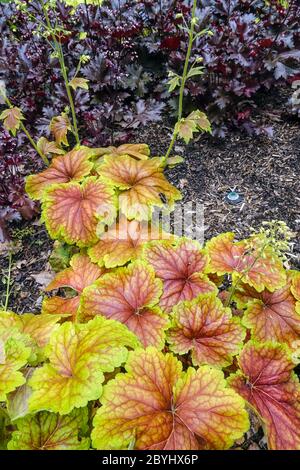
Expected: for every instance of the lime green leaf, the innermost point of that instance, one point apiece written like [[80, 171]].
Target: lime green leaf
[[78, 356], [79, 83], [14, 355]]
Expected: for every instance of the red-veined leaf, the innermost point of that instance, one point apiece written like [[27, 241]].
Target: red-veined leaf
[[271, 316], [124, 242], [59, 126], [158, 407], [129, 295], [78, 356], [267, 382], [72, 211], [81, 274], [256, 269], [207, 329], [73, 166], [13, 356], [50, 431], [141, 184], [181, 269]]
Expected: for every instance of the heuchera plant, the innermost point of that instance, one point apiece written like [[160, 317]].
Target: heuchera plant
[[209, 333]]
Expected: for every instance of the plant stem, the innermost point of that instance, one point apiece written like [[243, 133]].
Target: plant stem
[[184, 77], [8, 281], [26, 132], [63, 69], [43, 157]]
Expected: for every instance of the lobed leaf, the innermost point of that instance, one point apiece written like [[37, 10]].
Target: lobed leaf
[[267, 382], [141, 184], [13, 356], [254, 269], [271, 316], [33, 330], [59, 126], [181, 268], [124, 242], [159, 407], [46, 147], [129, 295], [12, 118], [73, 166], [78, 357], [79, 82], [139, 151], [72, 211], [207, 329], [50, 431], [81, 273], [295, 287]]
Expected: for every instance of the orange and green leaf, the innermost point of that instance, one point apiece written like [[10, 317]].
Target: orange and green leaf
[[259, 270], [73, 166], [79, 82], [131, 296], [78, 356], [139, 151], [81, 273], [50, 431], [207, 329], [12, 118], [267, 381], [46, 147], [141, 184], [271, 316], [72, 211], [59, 126], [124, 242], [181, 268], [156, 406]]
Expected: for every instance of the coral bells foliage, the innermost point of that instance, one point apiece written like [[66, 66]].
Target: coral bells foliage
[[128, 352]]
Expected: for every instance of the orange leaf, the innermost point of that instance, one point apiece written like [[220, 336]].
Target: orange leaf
[[206, 328], [141, 184], [181, 269], [72, 211], [129, 295], [12, 118], [59, 126], [267, 382], [73, 166], [256, 270], [157, 406], [124, 242], [82, 273]]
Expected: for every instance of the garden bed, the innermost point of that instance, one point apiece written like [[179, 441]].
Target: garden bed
[[265, 171]]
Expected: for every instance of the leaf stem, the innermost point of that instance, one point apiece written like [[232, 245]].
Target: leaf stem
[[184, 77], [63, 69]]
